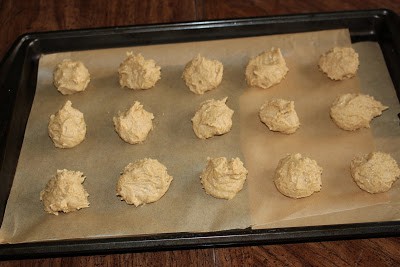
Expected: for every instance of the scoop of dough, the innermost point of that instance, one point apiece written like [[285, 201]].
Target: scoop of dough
[[279, 115], [144, 181], [266, 69], [339, 63], [213, 118], [298, 176], [134, 125], [223, 179], [202, 74], [71, 77], [137, 73], [374, 172], [65, 192], [67, 128], [354, 111]]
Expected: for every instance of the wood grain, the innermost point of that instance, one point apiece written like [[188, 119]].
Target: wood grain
[[19, 16], [367, 252], [211, 9]]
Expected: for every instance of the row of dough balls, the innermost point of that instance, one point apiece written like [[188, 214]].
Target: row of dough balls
[[202, 74], [141, 182], [349, 112], [146, 180], [297, 176], [67, 127]]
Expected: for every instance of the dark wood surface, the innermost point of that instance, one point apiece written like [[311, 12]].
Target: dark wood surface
[[19, 16]]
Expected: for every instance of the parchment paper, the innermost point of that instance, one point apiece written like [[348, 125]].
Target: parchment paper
[[340, 200], [354, 205], [185, 207]]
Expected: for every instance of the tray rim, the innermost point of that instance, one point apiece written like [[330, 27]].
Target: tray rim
[[26, 50], [184, 240]]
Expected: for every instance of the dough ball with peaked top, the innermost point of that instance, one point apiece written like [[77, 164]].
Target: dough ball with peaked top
[[71, 77], [65, 193], [134, 125], [67, 127], [213, 118], [222, 178], [202, 74], [137, 73], [267, 69], [279, 115]]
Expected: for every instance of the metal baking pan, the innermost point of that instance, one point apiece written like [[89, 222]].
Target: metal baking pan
[[18, 74]]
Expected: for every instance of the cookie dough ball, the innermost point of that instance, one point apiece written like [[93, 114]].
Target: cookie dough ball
[[134, 125], [297, 176], [339, 63], [266, 69], [374, 172], [137, 73], [222, 178], [279, 115], [354, 111], [213, 118], [202, 74], [71, 77], [144, 181], [67, 128], [65, 192]]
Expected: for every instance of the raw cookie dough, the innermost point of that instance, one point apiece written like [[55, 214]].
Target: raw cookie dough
[[223, 179], [279, 115], [65, 192], [71, 77], [374, 172], [67, 128], [298, 176], [339, 63], [266, 69], [144, 181], [202, 74], [134, 125], [137, 73], [354, 111], [213, 118]]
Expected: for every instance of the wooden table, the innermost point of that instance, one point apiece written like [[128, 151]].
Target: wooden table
[[19, 16]]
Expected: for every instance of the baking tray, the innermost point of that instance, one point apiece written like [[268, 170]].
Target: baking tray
[[18, 76]]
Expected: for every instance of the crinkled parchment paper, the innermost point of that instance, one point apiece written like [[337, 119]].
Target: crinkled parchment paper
[[186, 207]]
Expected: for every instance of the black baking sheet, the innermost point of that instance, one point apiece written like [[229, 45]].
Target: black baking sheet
[[18, 73]]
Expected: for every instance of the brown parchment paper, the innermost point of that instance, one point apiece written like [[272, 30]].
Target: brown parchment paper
[[185, 207], [356, 206]]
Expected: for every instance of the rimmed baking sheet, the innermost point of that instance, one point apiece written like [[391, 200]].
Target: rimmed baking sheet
[[185, 207]]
